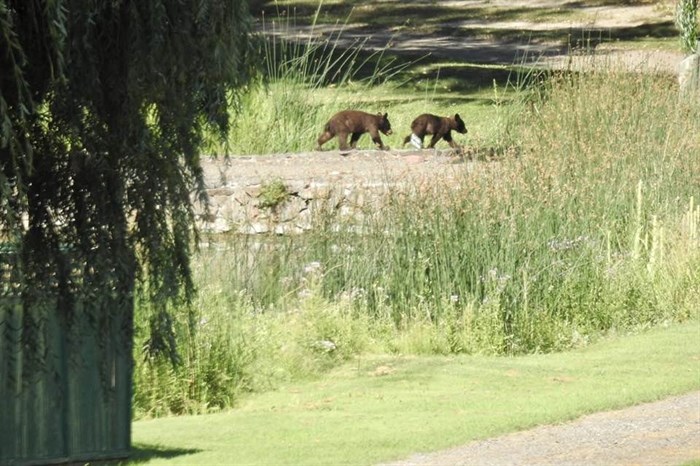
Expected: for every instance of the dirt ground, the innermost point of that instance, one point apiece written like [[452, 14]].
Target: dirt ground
[[331, 166], [459, 41], [662, 433]]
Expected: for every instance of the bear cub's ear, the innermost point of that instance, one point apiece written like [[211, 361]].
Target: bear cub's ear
[[386, 115]]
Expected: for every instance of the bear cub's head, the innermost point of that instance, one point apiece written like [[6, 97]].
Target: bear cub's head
[[460, 127], [384, 126]]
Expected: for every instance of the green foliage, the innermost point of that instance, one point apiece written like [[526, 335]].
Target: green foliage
[[687, 22], [228, 350], [592, 229], [273, 194], [102, 109]]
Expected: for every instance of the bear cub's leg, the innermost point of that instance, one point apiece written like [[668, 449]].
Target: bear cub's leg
[[343, 141], [324, 138], [377, 140], [353, 140]]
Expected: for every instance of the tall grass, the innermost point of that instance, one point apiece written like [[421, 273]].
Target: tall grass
[[591, 229], [289, 109]]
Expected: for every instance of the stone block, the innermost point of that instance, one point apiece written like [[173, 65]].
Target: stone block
[[689, 76]]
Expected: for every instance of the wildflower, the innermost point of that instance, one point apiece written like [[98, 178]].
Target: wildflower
[[312, 267], [325, 345], [352, 294], [566, 244]]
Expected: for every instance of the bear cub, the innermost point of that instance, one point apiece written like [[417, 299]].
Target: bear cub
[[355, 123], [439, 127]]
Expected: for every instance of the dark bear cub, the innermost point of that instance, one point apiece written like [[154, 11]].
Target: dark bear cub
[[355, 123], [439, 127]]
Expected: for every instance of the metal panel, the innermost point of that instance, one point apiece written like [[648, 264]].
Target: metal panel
[[79, 406]]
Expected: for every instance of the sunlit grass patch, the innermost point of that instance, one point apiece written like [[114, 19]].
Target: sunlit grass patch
[[377, 408]]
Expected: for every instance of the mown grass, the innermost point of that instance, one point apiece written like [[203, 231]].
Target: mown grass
[[330, 67], [378, 408]]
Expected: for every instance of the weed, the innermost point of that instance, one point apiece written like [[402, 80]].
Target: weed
[[273, 194], [310, 74]]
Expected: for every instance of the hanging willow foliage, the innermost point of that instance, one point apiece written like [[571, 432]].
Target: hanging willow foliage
[[102, 108]]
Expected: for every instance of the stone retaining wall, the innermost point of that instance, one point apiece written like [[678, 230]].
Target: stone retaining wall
[[282, 194], [245, 209]]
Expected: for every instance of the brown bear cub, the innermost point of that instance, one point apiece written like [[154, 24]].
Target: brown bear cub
[[356, 123], [439, 127]]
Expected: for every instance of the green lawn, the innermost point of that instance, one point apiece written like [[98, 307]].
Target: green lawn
[[382, 408]]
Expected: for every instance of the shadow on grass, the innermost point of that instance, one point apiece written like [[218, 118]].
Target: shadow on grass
[[141, 453], [419, 26], [416, 67], [414, 12], [433, 19], [464, 78], [465, 58], [578, 36]]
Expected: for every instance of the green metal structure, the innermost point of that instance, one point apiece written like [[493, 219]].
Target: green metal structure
[[78, 406]]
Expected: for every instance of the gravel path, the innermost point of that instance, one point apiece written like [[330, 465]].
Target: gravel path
[[662, 433]]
